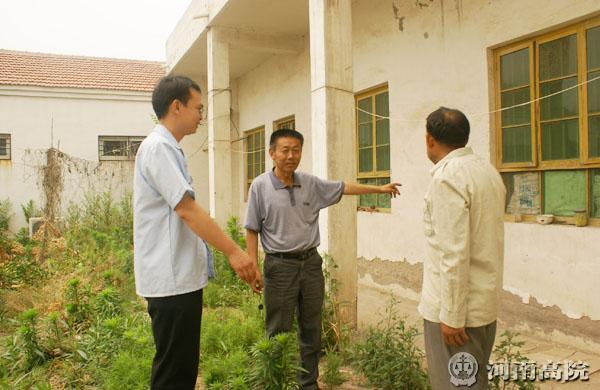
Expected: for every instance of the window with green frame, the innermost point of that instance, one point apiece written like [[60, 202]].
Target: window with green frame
[[255, 154], [549, 128], [373, 145]]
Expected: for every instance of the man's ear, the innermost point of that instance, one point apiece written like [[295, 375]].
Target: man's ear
[[175, 106], [271, 151], [429, 140]]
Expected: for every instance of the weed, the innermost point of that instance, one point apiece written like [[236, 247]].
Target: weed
[[274, 364], [508, 351], [388, 356], [332, 376]]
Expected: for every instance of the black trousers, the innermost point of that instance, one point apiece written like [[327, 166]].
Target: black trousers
[[294, 286], [176, 328]]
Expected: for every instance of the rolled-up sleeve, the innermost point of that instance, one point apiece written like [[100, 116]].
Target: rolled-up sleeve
[[254, 215], [328, 192], [450, 222], [162, 172]]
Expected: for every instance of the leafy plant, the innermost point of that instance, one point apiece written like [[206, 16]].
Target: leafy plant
[[31, 349], [508, 356], [30, 210], [274, 364], [388, 356], [332, 376]]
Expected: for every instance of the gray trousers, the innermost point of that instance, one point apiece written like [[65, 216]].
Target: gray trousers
[[294, 286], [446, 364]]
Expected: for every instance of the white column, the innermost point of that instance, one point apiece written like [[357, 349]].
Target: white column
[[333, 139], [219, 136]]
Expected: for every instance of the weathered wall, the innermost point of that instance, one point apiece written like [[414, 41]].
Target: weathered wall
[[279, 87], [432, 53], [429, 57], [70, 120]]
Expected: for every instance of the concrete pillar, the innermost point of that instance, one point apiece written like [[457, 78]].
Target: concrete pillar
[[333, 139], [219, 136]]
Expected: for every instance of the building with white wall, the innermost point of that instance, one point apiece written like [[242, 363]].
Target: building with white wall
[[341, 68], [92, 111]]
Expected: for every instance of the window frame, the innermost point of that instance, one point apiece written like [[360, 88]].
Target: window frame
[[8, 156], [583, 161], [374, 174], [278, 124], [128, 138], [248, 133]]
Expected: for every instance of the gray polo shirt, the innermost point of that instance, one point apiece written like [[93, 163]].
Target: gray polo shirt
[[287, 218]]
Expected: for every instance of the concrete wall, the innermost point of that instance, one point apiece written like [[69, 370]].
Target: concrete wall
[[70, 120], [278, 88], [433, 54]]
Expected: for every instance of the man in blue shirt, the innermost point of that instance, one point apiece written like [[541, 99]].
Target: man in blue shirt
[[170, 230]]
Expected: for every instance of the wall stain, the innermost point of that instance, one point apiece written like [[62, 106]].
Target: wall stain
[[512, 311]]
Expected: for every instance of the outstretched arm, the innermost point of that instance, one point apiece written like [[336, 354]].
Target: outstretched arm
[[362, 189]]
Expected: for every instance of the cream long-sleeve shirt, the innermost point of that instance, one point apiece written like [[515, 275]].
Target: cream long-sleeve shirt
[[464, 229]]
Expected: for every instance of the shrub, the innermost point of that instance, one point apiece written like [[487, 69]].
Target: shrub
[[508, 351], [388, 356], [332, 375], [274, 363]]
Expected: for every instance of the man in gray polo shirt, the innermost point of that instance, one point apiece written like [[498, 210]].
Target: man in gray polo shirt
[[170, 256], [283, 207]]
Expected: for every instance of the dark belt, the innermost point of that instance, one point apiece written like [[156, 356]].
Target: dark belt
[[300, 255]]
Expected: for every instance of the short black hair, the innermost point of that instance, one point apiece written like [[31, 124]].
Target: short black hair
[[449, 127], [281, 133], [171, 88]]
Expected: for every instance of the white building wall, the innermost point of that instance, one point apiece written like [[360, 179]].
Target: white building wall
[[278, 88], [435, 57], [430, 57], [70, 120]]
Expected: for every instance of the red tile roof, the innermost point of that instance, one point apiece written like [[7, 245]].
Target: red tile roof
[[52, 70]]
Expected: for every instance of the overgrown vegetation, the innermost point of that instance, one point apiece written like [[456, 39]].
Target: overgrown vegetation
[[508, 355], [70, 318]]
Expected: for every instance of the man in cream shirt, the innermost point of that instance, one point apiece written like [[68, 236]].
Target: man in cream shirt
[[462, 275]]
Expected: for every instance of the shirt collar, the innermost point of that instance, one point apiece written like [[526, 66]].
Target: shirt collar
[[460, 152], [279, 185], [164, 132]]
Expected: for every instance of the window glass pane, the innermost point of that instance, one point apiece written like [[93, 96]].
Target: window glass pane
[[3, 147], [261, 139], [593, 48], [382, 129], [365, 160], [384, 200], [369, 200], [517, 115], [562, 105], [365, 117], [564, 192], [558, 58], [382, 105], [594, 136], [114, 148], [383, 158], [135, 145], [522, 193], [560, 140], [593, 91], [365, 135], [514, 69], [595, 192], [250, 143], [516, 144]]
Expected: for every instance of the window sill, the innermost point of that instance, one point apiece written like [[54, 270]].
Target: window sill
[[374, 209], [531, 219]]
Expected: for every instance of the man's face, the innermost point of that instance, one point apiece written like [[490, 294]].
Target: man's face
[[286, 154], [190, 114]]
